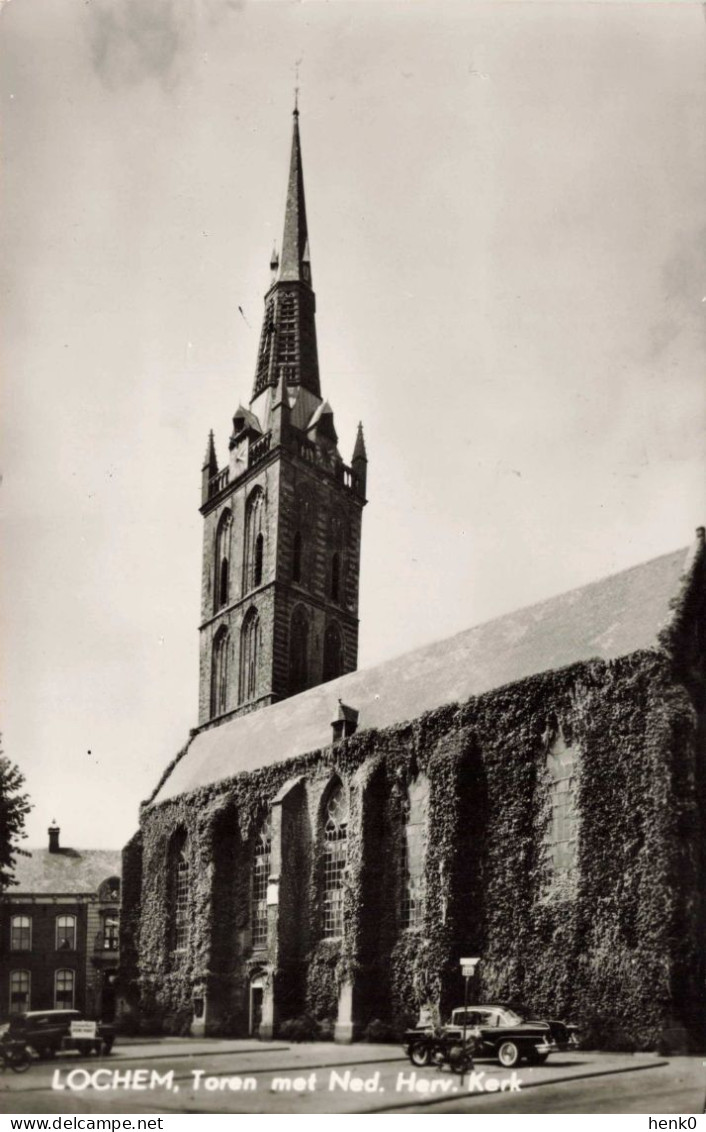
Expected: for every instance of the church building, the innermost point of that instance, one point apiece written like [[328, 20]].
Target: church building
[[330, 842]]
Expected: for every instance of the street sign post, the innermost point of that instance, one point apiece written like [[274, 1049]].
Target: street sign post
[[468, 967]]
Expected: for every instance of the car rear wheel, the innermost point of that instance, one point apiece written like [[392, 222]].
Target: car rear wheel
[[106, 1046], [84, 1048], [419, 1053], [509, 1054]]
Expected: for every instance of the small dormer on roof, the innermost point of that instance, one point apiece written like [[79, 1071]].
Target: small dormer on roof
[[321, 426], [345, 723], [244, 422]]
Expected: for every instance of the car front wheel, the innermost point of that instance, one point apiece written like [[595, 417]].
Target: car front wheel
[[509, 1054], [419, 1053]]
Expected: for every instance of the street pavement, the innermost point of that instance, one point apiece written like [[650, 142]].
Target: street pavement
[[190, 1075]]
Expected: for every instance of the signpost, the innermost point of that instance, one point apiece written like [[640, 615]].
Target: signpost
[[468, 967]]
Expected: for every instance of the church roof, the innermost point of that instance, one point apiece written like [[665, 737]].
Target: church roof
[[605, 620], [64, 872]]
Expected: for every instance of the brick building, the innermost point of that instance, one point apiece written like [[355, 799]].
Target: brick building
[[59, 931], [331, 841]]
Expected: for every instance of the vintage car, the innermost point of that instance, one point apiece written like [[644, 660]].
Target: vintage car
[[506, 1031], [47, 1031]]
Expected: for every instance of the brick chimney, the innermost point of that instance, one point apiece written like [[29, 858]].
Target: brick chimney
[[54, 832]]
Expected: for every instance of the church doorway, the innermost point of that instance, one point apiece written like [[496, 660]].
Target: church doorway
[[257, 993]]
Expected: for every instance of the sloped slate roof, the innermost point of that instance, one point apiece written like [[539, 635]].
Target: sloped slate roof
[[64, 873], [605, 620]]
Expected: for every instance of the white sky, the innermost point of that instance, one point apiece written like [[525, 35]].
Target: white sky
[[507, 212]]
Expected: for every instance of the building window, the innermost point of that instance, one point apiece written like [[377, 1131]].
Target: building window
[[219, 672], [298, 652], [333, 652], [297, 557], [21, 933], [110, 933], [260, 879], [64, 985], [19, 991], [254, 541], [334, 864], [335, 578], [561, 838], [249, 656], [414, 844], [66, 933], [222, 561], [179, 885]]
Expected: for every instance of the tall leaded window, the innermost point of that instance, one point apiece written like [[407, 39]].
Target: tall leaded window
[[19, 991], [334, 862], [254, 540], [179, 892], [561, 838], [64, 988], [21, 933], [220, 664], [249, 656], [260, 878], [413, 852], [66, 933], [222, 561], [333, 652], [298, 651]]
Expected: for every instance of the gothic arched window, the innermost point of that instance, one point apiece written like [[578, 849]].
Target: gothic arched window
[[254, 540], [219, 672], [298, 652], [178, 882], [333, 652], [249, 656], [335, 860], [221, 588], [414, 844], [260, 879], [561, 838]]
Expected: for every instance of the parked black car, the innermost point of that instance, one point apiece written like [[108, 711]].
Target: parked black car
[[47, 1031], [506, 1031]]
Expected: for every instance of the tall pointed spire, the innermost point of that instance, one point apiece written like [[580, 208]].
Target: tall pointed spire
[[288, 337], [294, 261]]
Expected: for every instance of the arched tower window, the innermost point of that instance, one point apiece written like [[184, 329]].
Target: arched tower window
[[334, 863], [260, 878], [249, 656], [221, 588], [298, 652], [178, 882], [414, 844], [333, 652], [220, 664], [297, 557], [335, 577], [254, 541]]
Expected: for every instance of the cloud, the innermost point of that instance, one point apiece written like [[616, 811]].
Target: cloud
[[132, 40]]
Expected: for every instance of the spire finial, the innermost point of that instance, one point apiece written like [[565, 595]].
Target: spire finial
[[296, 88]]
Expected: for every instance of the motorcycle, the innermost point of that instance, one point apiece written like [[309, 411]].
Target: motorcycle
[[440, 1049], [14, 1055]]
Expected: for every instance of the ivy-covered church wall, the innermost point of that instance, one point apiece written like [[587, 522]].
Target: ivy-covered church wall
[[614, 948]]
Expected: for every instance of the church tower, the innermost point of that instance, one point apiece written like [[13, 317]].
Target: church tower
[[282, 518]]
